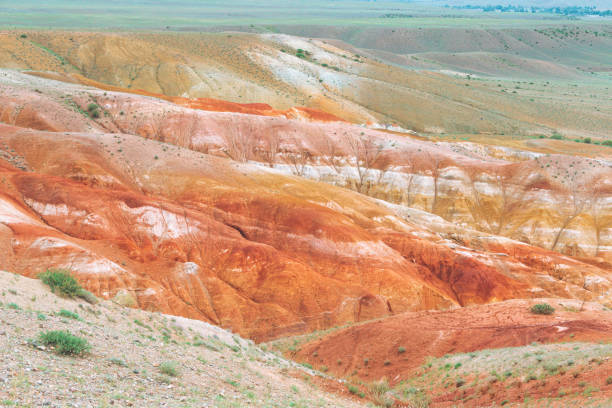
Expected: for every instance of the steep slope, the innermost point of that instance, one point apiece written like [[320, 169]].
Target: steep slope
[[129, 350], [241, 245], [525, 192]]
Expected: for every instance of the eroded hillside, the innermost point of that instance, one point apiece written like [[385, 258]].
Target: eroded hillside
[[211, 215]]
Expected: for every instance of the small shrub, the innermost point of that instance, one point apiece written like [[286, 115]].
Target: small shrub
[[169, 368], [23, 36], [117, 361], [92, 107], [401, 350], [87, 296], [13, 306], [61, 280], [68, 314], [353, 389], [141, 324], [609, 380], [378, 393], [387, 362], [543, 309], [460, 382], [64, 342]]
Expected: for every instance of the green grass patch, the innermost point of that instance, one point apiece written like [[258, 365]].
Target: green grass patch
[[64, 342], [543, 309]]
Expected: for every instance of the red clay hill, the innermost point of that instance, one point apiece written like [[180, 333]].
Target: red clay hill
[[129, 192]]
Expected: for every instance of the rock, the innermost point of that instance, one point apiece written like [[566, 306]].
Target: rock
[[125, 298]]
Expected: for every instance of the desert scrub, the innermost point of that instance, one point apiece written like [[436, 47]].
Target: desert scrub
[[378, 393], [92, 108], [543, 309], [64, 342], [87, 296], [69, 314], [117, 361], [64, 283], [352, 389], [60, 280], [170, 368]]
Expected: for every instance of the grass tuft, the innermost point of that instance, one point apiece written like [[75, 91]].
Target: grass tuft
[[543, 309], [169, 368], [64, 342], [60, 280]]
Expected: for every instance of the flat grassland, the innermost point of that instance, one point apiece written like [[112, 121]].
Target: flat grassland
[[197, 14]]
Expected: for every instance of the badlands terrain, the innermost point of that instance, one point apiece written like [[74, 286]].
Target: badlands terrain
[[309, 215]]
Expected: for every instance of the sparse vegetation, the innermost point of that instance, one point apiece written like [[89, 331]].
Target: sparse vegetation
[[68, 314], [543, 309], [169, 368], [378, 392], [64, 342], [61, 281]]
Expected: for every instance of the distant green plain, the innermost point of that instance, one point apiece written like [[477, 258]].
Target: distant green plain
[[262, 15]]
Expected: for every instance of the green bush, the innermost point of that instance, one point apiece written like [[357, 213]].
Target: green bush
[[64, 342], [352, 389], [69, 314], [607, 143], [401, 350], [61, 280], [543, 309], [557, 136], [169, 368]]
